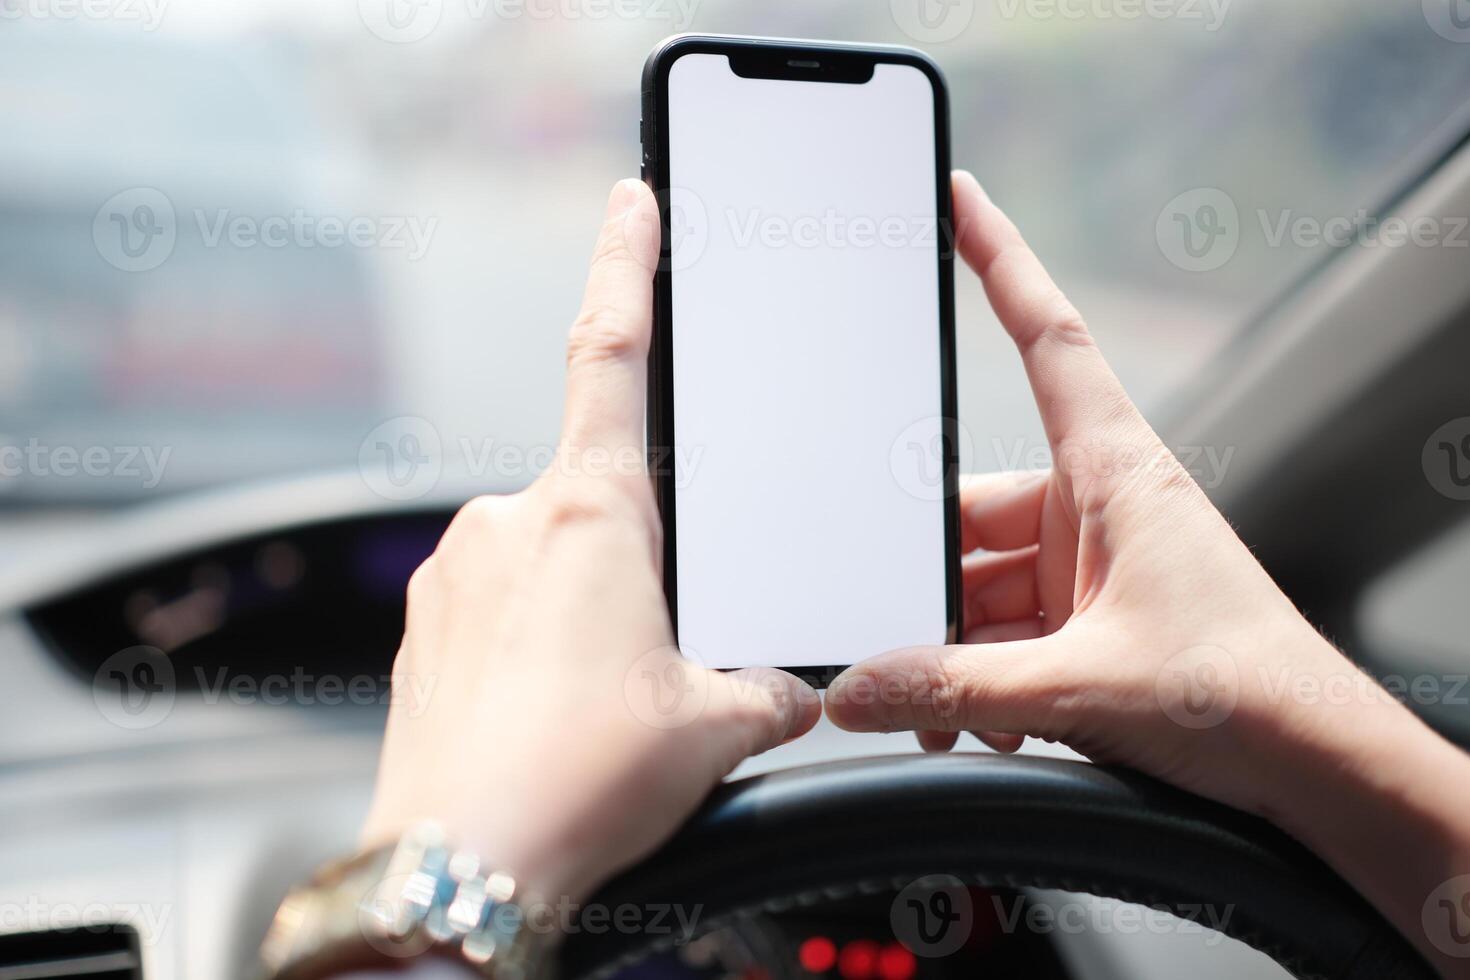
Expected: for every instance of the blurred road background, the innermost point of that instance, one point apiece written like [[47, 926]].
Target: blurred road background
[[496, 136], [468, 146]]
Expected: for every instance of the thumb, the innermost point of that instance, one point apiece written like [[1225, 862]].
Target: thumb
[[607, 349], [757, 709], [1013, 688]]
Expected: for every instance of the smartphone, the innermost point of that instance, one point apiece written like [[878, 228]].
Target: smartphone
[[802, 416]]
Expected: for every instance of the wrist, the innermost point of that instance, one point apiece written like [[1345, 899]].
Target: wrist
[[1355, 776], [1329, 734], [544, 861]]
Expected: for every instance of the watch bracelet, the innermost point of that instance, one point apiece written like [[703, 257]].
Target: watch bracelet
[[395, 902]]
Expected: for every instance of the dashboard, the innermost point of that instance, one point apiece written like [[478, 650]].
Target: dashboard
[[855, 939], [191, 715], [309, 615]]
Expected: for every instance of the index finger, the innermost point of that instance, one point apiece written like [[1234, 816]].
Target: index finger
[[1080, 399]]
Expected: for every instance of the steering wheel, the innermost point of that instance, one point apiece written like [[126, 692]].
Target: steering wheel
[[793, 837]]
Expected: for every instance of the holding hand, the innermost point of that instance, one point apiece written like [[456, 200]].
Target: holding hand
[[549, 745], [1114, 610]]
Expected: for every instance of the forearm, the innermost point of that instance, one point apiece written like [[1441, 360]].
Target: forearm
[[1382, 799]]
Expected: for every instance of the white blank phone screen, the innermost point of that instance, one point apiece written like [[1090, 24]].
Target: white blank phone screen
[[809, 502]]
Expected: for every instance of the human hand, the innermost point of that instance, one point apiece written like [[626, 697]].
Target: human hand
[[1113, 609], [548, 744], [1085, 580]]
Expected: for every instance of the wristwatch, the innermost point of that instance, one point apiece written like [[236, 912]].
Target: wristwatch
[[418, 897]]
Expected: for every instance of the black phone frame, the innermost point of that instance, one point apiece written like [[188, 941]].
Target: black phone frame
[[818, 61]]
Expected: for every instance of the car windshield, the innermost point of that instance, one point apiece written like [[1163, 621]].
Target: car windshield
[[237, 238]]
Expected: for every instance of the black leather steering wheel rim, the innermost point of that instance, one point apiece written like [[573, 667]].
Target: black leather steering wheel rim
[[794, 836]]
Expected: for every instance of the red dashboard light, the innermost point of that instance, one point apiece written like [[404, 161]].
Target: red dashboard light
[[895, 962], [858, 960], [817, 954]]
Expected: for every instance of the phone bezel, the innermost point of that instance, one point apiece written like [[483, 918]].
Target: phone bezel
[[654, 137]]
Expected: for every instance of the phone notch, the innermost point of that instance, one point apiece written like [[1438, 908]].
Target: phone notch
[[847, 67]]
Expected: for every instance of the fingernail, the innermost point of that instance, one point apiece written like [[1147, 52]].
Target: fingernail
[[853, 703], [624, 193], [969, 178]]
